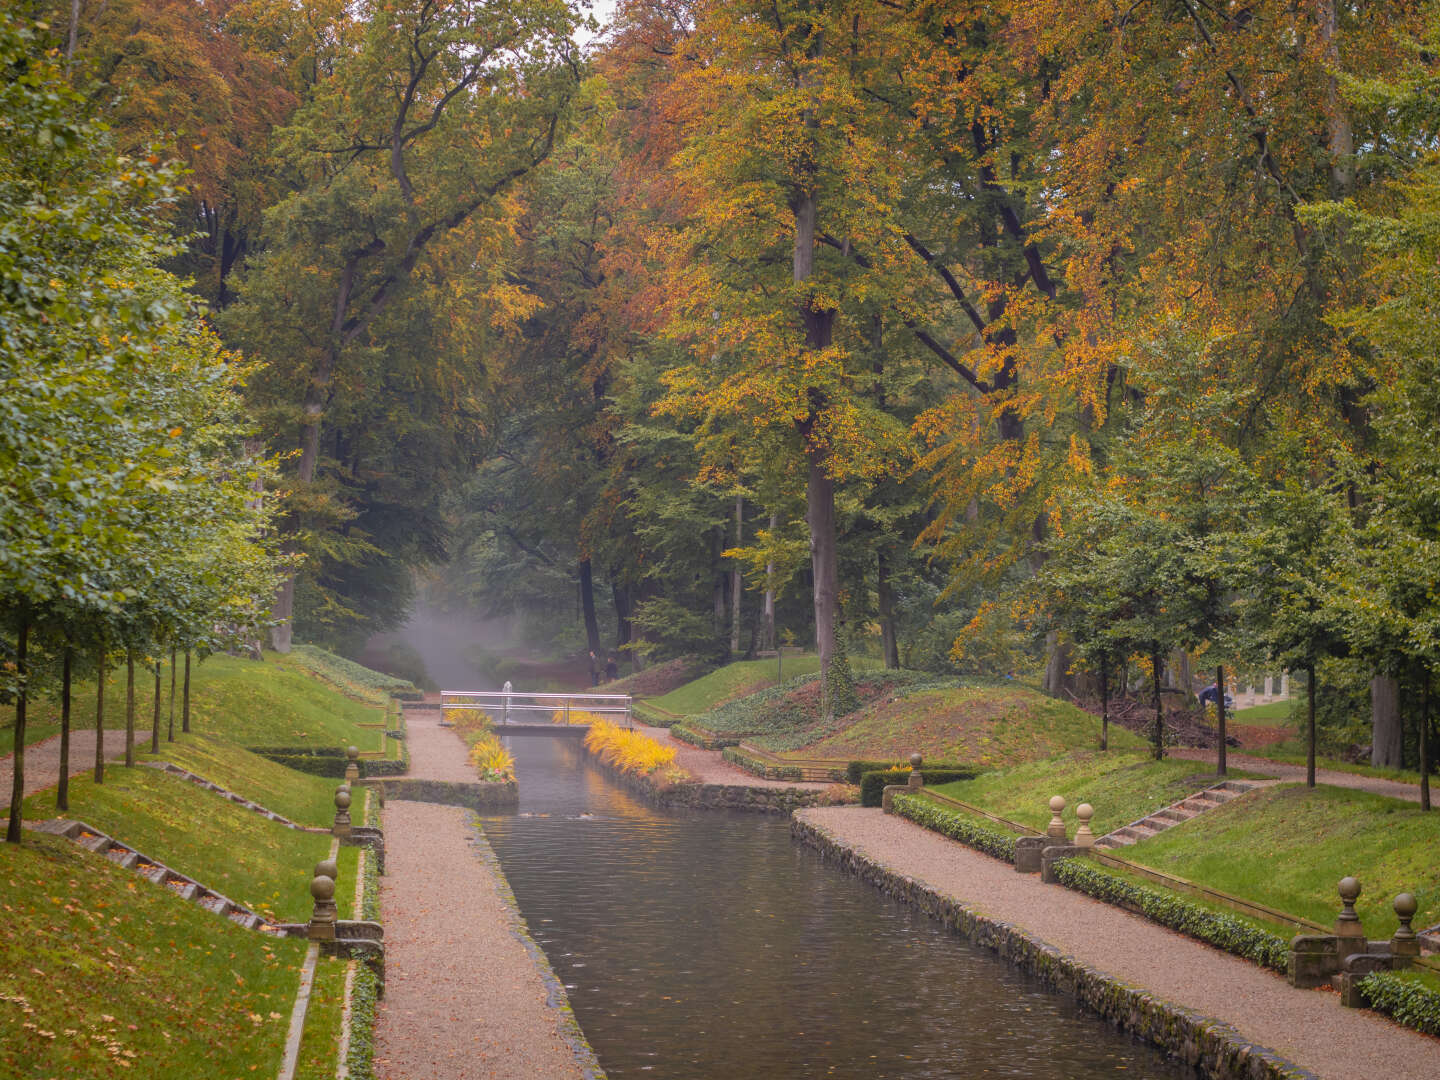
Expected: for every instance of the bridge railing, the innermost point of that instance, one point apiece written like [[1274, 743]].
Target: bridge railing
[[511, 707]]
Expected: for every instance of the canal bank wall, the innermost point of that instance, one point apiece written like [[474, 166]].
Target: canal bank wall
[[775, 799], [1210, 1046]]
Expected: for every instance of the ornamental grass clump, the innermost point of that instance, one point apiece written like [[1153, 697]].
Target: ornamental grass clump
[[628, 751], [491, 760]]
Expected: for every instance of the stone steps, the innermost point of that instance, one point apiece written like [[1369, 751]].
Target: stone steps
[[156, 872], [208, 785], [1176, 813]]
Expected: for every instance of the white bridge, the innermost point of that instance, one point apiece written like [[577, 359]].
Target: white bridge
[[540, 714]]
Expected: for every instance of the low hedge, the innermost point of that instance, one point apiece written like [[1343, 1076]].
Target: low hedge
[[1405, 1000], [330, 761], [685, 733], [763, 769], [1226, 932], [956, 825], [873, 784]]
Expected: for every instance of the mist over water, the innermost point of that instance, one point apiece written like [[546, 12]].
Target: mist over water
[[449, 643]]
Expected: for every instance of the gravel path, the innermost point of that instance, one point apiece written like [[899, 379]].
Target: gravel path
[[42, 759], [463, 996], [1396, 789], [709, 767], [1306, 1026]]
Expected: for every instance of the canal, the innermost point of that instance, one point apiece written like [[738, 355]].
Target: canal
[[709, 946]]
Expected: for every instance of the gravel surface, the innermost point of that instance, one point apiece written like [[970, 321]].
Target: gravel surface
[[1396, 789], [463, 996], [709, 767], [1306, 1026], [42, 759]]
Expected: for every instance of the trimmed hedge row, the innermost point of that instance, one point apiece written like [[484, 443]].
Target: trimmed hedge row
[[1178, 913], [873, 784], [687, 734], [1404, 1000], [956, 826], [760, 768], [330, 761]]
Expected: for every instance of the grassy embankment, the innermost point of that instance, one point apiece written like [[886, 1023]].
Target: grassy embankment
[[104, 974], [723, 685]]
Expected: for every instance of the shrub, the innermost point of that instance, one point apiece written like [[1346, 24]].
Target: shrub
[[873, 784], [1227, 932], [628, 751], [857, 769], [1404, 999], [760, 768], [955, 825]]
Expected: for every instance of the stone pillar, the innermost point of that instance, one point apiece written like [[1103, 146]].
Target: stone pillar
[[1404, 945], [341, 827], [1084, 838], [917, 779], [322, 888], [1347, 924], [352, 767], [1056, 829]]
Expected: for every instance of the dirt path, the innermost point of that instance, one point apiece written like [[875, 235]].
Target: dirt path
[[42, 759], [1396, 789], [463, 996], [1306, 1026]]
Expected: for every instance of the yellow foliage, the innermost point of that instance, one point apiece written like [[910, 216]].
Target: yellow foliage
[[628, 751], [491, 760]]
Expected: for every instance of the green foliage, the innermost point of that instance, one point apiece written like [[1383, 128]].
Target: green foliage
[[1404, 999], [329, 761], [873, 784], [736, 756], [1226, 932], [955, 825], [352, 678], [725, 684], [364, 1008]]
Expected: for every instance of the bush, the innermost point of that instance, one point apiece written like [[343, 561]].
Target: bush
[[1227, 932], [760, 768], [330, 761], [857, 769], [956, 826], [873, 784], [1404, 999]]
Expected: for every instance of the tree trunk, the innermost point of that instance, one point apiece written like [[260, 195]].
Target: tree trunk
[[185, 698], [620, 596], [1057, 663], [885, 601], [1340, 139], [1220, 719], [768, 638], [1425, 741], [170, 732], [1386, 738], [73, 37], [17, 762], [736, 586], [820, 513], [155, 718], [1310, 727], [62, 787], [129, 706], [718, 579], [1155, 669], [587, 606], [100, 714], [1104, 703]]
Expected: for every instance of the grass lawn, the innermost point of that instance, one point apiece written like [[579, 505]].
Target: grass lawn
[[309, 800], [737, 680], [1288, 846], [103, 975], [985, 725], [1122, 786], [320, 1043], [277, 702], [249, 858], [1276, 713]]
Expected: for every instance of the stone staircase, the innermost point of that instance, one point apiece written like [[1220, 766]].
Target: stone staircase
[[187, 888], [186, 774], [1175, 813]]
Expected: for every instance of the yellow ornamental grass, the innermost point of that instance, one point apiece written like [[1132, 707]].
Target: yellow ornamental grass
[[628, 751], [491, 760]]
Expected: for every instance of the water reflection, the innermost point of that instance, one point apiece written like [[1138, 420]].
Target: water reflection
[[711, 946]]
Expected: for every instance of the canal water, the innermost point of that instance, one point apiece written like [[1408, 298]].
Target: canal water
[[709, 946]]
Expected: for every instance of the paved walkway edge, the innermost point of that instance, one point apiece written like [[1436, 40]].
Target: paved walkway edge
[[1213, 1047], [556, 997]]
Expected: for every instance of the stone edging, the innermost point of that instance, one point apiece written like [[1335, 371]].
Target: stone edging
[[782, 800], [472, 795], [1213, 1047], [555, 996]]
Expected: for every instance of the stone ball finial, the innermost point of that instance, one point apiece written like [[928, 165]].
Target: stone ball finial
[[1085, 812], [322, 887], [1057, 804], [1405, 907], [916, 760], [352, 752], [1349, 892], [327, 868], [1349, 889], [342, 798]]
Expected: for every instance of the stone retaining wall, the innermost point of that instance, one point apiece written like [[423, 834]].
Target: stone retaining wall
[[714, 796], [476, 796], [1211, 1047]]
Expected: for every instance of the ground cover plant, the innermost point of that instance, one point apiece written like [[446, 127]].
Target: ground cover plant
[[1410, 997], [1288, 846], [301, 797], [352, 678], [104, 975], [244, 855], [987, 724], [1121, 785], [984, 836]]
